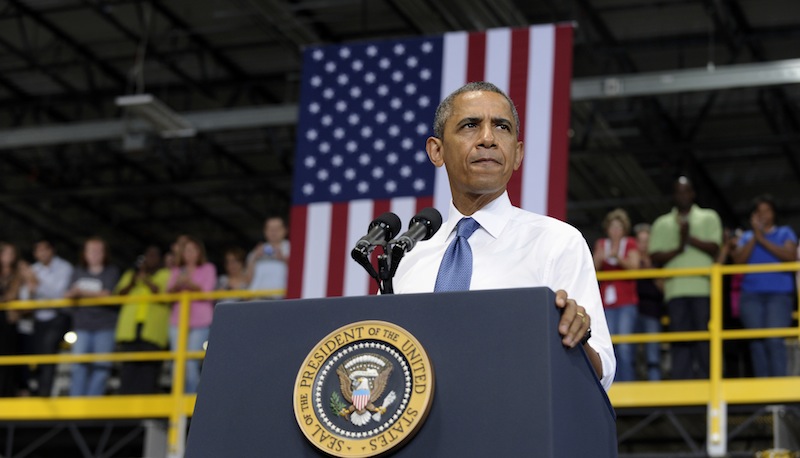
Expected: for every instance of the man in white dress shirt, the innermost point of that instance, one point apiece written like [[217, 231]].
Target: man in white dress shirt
[[476, 133]]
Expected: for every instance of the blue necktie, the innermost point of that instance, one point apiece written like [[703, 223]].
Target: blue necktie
[[455, 272]]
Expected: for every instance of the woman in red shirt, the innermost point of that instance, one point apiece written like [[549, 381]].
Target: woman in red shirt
[[619, 252]]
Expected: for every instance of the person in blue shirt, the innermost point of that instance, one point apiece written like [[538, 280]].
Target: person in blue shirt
[[767, 299]]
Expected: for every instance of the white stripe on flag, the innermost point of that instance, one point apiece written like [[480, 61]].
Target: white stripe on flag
[[406, 208], [498, 58], [356, 280], [317, 250], [536, 164]]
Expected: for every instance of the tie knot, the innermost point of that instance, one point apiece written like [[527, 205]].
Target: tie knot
[[466, 227]]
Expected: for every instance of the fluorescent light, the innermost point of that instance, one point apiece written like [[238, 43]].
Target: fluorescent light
[[167, 122]]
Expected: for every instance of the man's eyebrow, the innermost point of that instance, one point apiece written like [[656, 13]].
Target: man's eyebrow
[[501, 121], [470, 119]]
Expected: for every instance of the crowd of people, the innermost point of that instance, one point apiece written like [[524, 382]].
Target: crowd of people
[[687, 236], [690, 236], [138, 325]]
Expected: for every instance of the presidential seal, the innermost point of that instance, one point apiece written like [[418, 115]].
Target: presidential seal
[[363, 390]]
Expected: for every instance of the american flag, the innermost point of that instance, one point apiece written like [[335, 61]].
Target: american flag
[[366, 110]]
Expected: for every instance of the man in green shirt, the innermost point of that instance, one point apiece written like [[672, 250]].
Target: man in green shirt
[[687, 236]]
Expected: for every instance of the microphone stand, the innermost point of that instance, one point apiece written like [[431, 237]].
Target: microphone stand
[[385, 273]]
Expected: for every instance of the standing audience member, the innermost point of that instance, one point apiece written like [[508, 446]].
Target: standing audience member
[[735, 353], [767, 299], [619, 252], [235, 276], [143, 324], [52, 279], [193, 273], [687, 236], [651, 303], [267, 263], [94, 326], [14, 275]]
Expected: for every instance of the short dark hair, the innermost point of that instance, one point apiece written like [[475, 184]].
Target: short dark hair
[[763, 199], [445, 108]]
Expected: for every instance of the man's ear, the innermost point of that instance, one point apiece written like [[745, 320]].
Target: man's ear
[[520, 153], [435, 152]]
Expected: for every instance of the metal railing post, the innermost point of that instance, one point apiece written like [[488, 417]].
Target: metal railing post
[[717, 408], [177, 419]]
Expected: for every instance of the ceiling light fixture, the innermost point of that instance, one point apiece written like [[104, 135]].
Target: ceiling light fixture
[[167, 122]]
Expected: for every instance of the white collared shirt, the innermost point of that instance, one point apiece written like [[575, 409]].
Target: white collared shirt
[[514, 248], [53, 283]]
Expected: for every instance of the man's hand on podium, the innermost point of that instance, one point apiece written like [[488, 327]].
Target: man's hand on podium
[[574, 325]]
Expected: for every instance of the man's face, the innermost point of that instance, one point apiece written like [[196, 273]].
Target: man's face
[[479, 147], [683, 195], [43, 252], [274, 230]]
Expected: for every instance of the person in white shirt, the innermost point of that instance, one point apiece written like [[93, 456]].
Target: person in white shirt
[[267, 262], [476, 132], [52, 274]]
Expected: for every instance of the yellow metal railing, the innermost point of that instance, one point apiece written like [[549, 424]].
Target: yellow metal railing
[[716, 392], [176, 406]]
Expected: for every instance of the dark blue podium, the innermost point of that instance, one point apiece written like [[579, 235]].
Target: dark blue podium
[[505, 385]]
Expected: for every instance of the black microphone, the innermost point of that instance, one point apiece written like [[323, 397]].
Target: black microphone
[[381, 229], [421, 227]]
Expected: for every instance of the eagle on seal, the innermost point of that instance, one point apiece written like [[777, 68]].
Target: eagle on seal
[[362, 388]]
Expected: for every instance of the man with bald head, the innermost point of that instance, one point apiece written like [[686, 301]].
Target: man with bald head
[[476, 139]]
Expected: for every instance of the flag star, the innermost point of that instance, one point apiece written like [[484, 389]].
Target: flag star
[[397, 76], [335, 188], [383, 89], [337, 160], [420, 157], [422, 129], [396, 103], [411, 88], [372, 51], [391, 186], [330, 67], [364, 159], [342, 79], [351, 146], [363, 187], [399, 49], [412, 61], [357, 65], [407, 143], [427, 47], [408, 116], [384, 63], [341, 105], [381, 117], [310, 162], [326, 120], [405, 171], [316, 81], [322, 175], [344, 53], [366, 131], [392, 158], [419, 184], [424, 101], [311, 135], [353, 119], [425, 74], [324, 147], [317, 54], [368, 104], [308, 189], [369, 78], [350, 174], [338, 133], [328, 93], [355, 92], [394, 131], [377, 173]]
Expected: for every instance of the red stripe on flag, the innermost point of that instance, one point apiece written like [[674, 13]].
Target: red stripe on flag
[[559, 138], [297, 235], [476, 57], [518, 92], [423, 202], [337, 254]]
